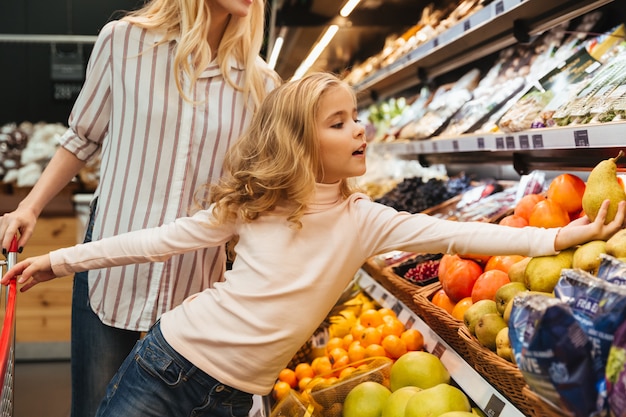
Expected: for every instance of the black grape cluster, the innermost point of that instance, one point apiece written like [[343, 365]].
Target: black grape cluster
[[414, 195]]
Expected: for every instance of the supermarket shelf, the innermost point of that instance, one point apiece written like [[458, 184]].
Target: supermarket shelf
[[498, 25], [491, 401], [570, 147]]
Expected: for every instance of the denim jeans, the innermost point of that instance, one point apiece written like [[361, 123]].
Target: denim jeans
[[156, 381], [97, 350]]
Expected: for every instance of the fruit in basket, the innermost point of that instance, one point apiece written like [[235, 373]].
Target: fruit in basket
[[396, 403], [525, 205], [442, 300], [543, 272], [513, 220], [437, 400], [458, 275], [587, 256], [548, 213], [419, 369], [567, 190], [461, 307], [516, 271], [366, 400], [503, 344], [487, 329], [413, 339], [505, 293], [502, 262], [476, 311], [616, 245], [602, 184], [488, 283]]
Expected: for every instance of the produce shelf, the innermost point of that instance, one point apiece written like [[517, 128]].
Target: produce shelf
[[485, 396]]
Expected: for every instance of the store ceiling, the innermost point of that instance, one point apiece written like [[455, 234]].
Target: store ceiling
[[360, 36]]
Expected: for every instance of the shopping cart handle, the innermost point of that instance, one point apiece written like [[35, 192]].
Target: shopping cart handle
[[13, 247]]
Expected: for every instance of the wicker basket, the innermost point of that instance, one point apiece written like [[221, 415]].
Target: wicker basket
[[440, 321], [400, 288], [542, 408]]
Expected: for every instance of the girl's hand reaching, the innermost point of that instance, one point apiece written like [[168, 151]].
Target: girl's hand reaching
[[583, 230], [32, 270]]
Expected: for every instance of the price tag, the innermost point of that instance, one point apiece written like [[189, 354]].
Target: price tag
[[409, 323], [466, 25], [397, 308], [494, 407], [524, 142], [435, 42], [438, 350], [480, 143], [455, 145], [581, 138], [537, 141], [500, 143], [510, 142], [499, 7], [383, 297], [435, 147]]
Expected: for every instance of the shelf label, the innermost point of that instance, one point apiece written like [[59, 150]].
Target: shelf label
[[537, 141], [480, 143], [436, 42], [466, 25], [581, 138], [397, 308], [438, 350], [500, 143], [494, 407], [409, 323], [455, 145], [524, 142], [434, 146], [499, 7], [510, 142]]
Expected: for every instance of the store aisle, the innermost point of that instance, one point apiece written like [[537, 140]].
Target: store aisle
[[42, 389]]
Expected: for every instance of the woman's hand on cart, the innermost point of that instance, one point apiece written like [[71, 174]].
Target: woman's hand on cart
[[31, 271], [20, 220]]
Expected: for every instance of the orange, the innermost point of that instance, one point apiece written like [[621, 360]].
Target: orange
[[567, 190], [371, 318], [356, 351], [459, 309], [375, 350], [371, 335], [321, 365], [513, 220], [357, 331], [289, 376], [304, 370], [502, 262], [347, 340], [338, 357], [441, 299], [387, 312], [525, 205], [548, 213], [413, 338], [334, 342], [302, 383], [488, 283], [281, 390], [394, 346], [346, 371], [392, 326]]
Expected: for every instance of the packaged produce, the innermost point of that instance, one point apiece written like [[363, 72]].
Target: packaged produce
[[612, 270], [616, 374]]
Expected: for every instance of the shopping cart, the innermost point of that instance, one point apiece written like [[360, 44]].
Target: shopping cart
[[7, 337]]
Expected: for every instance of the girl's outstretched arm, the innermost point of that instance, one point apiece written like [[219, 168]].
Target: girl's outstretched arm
[[583, 230], [32, 270]]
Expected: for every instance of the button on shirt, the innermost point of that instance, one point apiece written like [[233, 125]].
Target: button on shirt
[[156, 150]]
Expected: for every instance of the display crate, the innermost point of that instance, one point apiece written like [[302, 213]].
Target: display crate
[[440, 320]]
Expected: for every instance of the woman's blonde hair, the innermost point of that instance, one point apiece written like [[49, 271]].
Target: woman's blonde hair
[[277, 160], [189, 20]]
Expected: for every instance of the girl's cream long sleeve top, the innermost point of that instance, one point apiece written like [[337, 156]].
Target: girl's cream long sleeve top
[[284, 280]]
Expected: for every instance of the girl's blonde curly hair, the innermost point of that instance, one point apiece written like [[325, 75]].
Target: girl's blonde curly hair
[[189, 21], [277, 160]]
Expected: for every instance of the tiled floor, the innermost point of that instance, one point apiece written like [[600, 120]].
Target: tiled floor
[[42, 389]]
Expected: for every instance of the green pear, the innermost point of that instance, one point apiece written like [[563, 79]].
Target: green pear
[[543, 272], [516, 271], [505, 293], [587, 256], [503, 344], [476, 311], [602, 184], [487, 329], [507, 311], [616, 245]]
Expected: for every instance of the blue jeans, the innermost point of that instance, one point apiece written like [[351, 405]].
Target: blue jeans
[[156, 381], [97, 350]]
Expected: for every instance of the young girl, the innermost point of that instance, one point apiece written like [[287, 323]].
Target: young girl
[[303, 233], [168, 88]]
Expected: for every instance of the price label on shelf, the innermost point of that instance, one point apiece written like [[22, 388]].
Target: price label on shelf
[[500, 142], [438, 350], [480, 143], [537, 141], [494, 407], [581, 138], [524, 142], [510, 142]]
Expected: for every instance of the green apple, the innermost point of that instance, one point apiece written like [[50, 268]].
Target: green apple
[[419, 369], [366, 400], [396, 403]]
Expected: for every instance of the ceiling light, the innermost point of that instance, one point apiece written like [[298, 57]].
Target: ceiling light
[[348, 7], [278, 44], [316, 52]]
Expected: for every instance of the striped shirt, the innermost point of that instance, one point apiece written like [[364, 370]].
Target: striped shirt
[[156, 149]]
